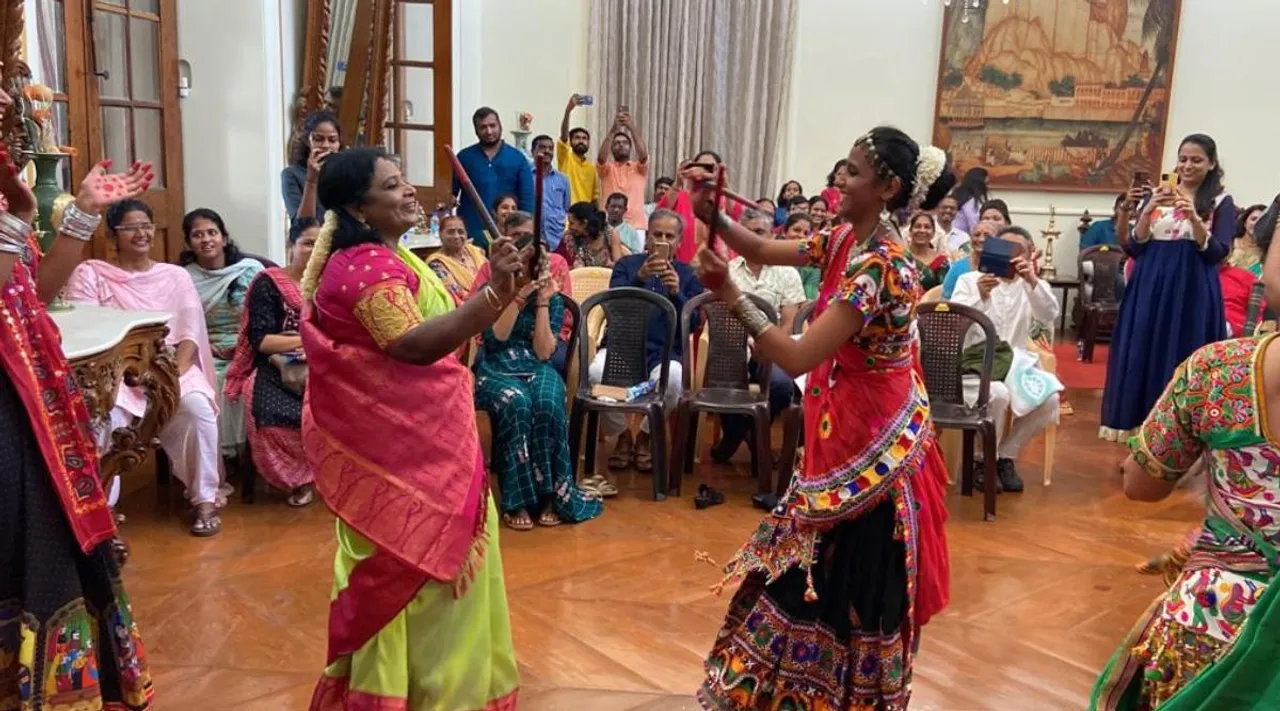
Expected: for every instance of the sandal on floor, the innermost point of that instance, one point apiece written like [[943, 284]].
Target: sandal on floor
[[707, 497], [599, 485], [302, 496], [623, 453], [549, 518], [518, 521], [207, 522]]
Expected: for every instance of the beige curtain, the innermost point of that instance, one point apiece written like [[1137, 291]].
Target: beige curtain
[[696, 75]]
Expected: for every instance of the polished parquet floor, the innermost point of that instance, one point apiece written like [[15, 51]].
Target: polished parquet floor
[[615, 614]]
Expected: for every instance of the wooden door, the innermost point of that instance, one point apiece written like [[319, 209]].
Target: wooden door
[[420, 116], [131, 57]]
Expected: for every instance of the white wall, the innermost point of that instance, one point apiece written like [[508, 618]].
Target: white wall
[[864, 62], [860, 63], [234, 122]]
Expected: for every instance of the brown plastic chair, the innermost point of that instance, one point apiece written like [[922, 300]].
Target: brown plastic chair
[[793, 417], [725, 388], [627, 311], [1101, 271], [942, 327]]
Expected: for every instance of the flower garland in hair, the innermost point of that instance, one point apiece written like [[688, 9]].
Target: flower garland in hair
[[319, 256], [929, 166]]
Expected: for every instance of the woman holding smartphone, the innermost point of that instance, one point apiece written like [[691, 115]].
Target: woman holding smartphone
[[1173, 303], [320, 136]]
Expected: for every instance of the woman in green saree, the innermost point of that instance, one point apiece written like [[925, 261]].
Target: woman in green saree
[[418, 618]]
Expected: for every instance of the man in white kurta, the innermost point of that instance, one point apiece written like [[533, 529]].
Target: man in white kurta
[[1011, 304]]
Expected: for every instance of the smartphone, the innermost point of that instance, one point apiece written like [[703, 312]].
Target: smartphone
[[997, 257], [663, 250], [1170, 180], [586, 100], [1140, 179], [624, 109]]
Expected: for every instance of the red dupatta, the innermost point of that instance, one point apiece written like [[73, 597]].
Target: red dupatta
[[241, 370], [31, 354]]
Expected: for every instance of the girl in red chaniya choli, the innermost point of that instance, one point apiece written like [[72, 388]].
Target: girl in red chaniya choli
[[839, 578]]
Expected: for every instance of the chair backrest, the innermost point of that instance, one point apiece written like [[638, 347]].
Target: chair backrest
[[262, 260], [726, 363], [802, 317], [589, 281], [628, 311], [942, 327], [572, 310], [1101, 271]]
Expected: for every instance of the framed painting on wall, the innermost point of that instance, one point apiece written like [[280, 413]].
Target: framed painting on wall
[[1058, 95]]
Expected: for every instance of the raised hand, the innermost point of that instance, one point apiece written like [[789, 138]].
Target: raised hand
[[508, 265], [701, 184], [100, 188], [315, 162], [712, 269]]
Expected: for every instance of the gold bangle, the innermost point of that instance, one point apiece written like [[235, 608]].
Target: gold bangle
[[491, 296]]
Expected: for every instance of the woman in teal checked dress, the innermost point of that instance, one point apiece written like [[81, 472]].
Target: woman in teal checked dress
[[525, 398]]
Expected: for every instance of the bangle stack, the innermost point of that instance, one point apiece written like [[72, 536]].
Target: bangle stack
[[750, 315], [14, 234], [78, 224]]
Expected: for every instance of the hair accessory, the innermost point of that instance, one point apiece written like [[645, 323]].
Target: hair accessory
[[78, 224], [867, 141], [929, 166]]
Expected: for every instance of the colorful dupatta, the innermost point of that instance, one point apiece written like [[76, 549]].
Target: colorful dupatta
[[458, 277], [31, 354]]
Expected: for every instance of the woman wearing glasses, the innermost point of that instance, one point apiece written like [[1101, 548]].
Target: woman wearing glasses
[[136, 283]]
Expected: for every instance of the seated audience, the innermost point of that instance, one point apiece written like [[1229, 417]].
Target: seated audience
[[222, 276], [931, 263], [555, 192], [674, 280], [955, 241], [780, 286], [458, 260], [799, 205], [320, 136], [270, 372], [136, 283], [995, 211], [1011, 304], [820, 213], [798, 227], [1104, 231], [616, 213], [790, 190], [589, 242], [525, 397], [1244, 250], [1237, 287], [502, 206], [832, 194], [519, 225], [981, 232], [767, 206], [661, 187]]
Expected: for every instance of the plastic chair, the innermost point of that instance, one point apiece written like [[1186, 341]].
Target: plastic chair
[[628, 310], [1101, 272], [793, 417], [587, 282], [942, 328], [726, 387]]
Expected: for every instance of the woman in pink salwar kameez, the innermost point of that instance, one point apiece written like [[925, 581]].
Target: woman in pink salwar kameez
[[136, 283]]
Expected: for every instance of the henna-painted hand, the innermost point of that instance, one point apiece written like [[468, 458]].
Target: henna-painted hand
[[100, 188]]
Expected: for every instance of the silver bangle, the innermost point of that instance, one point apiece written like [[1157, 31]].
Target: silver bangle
[[78, 224], [13, 230], [750, 315], [6, 248]]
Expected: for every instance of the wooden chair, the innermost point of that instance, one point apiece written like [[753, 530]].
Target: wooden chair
[[1101, 271], [726, 387], [943, 327], [628, 310]]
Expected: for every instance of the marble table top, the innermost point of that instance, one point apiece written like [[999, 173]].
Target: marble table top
[[90, 330]]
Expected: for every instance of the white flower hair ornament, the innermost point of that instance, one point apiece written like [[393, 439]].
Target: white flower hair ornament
[[929, 166]]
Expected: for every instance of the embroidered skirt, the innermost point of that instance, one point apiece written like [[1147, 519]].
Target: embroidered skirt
[[849, 649], [67, 635]]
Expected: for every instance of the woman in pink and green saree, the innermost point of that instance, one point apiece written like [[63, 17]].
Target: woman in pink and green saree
[[418, 618]]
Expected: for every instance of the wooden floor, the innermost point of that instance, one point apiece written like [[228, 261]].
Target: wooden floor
[[615, 613]]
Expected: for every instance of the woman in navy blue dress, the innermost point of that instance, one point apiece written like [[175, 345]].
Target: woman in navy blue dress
[[1173, 304]]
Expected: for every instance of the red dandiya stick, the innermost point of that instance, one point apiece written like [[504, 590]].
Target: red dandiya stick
[[540, 170], [470, 189], [715, 280]]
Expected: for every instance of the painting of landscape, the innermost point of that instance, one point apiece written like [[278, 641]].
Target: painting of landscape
[[1057, 94]]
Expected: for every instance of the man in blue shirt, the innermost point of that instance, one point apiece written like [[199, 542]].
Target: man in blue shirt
[[495, 168], [555, 193], [656, 271], [1103, 231]]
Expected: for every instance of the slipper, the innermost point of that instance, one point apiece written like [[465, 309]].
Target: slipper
[[549, 519], [302, 496], [598, 484], [513, 521], [707, 497]]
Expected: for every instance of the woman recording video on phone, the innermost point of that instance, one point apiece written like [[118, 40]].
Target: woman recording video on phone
[[1173, 303]]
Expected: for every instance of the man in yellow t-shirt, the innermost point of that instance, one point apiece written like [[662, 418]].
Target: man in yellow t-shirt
[[571, 156]]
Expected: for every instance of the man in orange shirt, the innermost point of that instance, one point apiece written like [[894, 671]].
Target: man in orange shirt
[[622, 174]]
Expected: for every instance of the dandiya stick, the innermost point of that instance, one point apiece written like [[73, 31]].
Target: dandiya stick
[[469, 188], [535, 264], [715, 281]]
